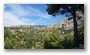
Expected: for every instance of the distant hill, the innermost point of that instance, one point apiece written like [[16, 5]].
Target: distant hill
[[66, 23]]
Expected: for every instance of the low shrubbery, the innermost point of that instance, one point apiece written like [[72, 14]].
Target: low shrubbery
[[39, 39]]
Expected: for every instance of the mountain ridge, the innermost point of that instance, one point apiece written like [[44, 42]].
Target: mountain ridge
[[66, 23]]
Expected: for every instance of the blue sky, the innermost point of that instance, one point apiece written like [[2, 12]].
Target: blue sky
[[28, 14]]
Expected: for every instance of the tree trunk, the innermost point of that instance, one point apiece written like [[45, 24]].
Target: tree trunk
[[76, 43]]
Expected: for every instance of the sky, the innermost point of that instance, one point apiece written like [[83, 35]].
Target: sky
[[28, 14]]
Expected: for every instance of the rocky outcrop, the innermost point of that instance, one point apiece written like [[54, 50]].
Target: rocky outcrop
[[67, 23]]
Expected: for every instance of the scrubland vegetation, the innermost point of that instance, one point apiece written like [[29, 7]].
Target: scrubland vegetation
[[30, 38]]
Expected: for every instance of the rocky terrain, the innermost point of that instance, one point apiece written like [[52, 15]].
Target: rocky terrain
[[66, 23]]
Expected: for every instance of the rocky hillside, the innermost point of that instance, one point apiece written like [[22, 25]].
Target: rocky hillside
[[66, 23]]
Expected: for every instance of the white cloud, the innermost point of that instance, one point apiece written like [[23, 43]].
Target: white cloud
[[11, 19], [37, 12], [16, 12], [27, 11]]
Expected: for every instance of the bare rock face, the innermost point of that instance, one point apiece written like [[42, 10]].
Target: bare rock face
[[67, 23], [50, 26]]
